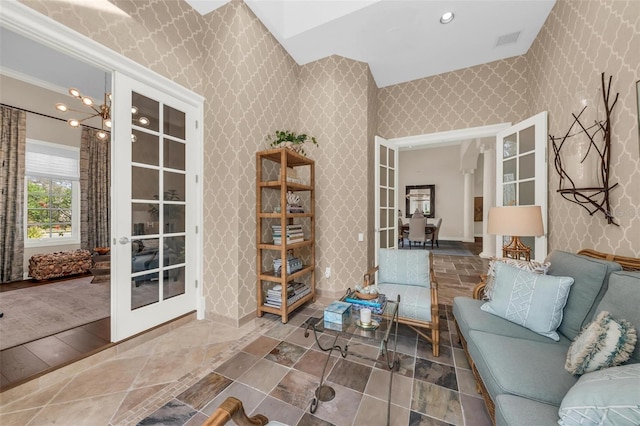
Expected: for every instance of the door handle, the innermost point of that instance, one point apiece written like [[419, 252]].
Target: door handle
[[124, 240]]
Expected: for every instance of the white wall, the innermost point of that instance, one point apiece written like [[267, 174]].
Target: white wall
[[440, 167]]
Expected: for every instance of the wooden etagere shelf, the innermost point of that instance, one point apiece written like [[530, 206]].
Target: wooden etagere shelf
[[273, 182]]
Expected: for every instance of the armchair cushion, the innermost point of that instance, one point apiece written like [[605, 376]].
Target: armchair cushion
[[404, 267], [415, 301]]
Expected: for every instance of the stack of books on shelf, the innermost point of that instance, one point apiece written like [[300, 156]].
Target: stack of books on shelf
[[295, 292], [293, 233], [376, 305], [294, 208], [293, 264]]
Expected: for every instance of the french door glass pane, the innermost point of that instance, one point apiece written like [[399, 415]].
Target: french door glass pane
[[174, 284], [145, 112], [144, 183], [509, 170], [526, 167], [510, 146], [383, 218], [145, 148], [383, 176], [174, 154], [527, 140], [527, 195], [174, 122]]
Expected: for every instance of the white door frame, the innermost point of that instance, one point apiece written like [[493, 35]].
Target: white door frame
[[453, 137], [29, 23]]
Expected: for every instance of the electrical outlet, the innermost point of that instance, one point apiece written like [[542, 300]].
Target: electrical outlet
[[327, 272], [360, 236]]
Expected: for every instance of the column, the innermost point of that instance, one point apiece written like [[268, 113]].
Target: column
[[489, 197], [467, 209]]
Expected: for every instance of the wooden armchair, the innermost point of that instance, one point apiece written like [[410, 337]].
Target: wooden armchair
[[232, 409], [410, 275]]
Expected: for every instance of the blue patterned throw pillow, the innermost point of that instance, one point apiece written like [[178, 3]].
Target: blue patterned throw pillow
[[528, 299]]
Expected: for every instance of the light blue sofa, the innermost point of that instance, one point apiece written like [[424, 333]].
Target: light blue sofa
[[520, 373]]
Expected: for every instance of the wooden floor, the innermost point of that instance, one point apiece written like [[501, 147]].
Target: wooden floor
[[25, 362]]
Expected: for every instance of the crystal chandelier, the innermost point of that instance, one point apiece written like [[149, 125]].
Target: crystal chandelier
[[103, 111]]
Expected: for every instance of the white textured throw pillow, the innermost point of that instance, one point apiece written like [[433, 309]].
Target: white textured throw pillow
[[531, 300], [525, 265], [603, 343]]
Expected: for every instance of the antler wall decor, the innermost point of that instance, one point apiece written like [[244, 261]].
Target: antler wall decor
[[593, 197]]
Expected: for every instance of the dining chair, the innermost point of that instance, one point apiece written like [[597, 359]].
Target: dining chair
[[401, 232], [416, 230], [433, 235]]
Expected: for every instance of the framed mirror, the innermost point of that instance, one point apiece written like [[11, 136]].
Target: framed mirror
[[422, 198]]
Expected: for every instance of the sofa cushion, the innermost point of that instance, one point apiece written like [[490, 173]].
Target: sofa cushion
[[604, 343], [622, 300], [415, 301], [531, 300], [590, 276], [520, 367], [608, 396], [404, 267], [469, 317], [515, 410]]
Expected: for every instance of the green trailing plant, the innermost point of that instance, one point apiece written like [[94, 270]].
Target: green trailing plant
[[291, 140]]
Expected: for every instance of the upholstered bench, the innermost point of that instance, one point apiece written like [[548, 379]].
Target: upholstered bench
[[60, 264]]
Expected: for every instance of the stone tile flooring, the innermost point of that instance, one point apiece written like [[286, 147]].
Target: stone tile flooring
[[181, 375], [277, 373]]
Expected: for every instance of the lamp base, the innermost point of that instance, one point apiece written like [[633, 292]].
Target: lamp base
[[516, 250]]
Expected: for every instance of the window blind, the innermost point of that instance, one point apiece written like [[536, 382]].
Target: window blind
[[52, 161]]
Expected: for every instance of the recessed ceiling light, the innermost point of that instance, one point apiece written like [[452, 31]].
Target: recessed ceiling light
[[446, 17]]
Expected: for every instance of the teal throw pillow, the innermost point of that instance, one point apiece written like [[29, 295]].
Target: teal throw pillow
[[603, 343], [605, 397], [528, 299]]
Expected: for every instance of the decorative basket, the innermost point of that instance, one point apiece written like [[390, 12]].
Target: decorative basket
[[365, 296]]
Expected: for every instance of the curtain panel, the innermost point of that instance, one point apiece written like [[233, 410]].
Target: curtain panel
[[95, 180], [13, 142]]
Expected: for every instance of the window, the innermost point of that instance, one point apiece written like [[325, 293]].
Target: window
[[52, 201]]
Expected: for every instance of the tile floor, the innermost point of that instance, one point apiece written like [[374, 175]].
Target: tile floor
[[181, 375]]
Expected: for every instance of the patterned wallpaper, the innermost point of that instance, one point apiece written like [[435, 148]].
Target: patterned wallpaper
[[334, 107], [490, 93], [250, 87], [579, 41]]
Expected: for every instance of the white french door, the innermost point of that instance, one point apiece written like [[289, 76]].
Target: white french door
[[521, 174], [154, 201], [386, 183]]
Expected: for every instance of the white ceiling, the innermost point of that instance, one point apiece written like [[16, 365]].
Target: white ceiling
[[401, 40]]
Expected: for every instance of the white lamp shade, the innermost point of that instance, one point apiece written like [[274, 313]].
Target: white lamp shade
[[520, 221]]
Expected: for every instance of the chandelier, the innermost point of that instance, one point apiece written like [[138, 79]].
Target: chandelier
[[103, 111]]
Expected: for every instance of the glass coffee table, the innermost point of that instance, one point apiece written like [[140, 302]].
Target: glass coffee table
[[353, 334]]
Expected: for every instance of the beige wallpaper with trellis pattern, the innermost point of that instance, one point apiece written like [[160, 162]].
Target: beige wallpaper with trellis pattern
[[490, 93], [334, 107], [579, 41], [250, 86]]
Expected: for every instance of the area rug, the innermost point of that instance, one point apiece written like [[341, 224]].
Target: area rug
[[34, 313], [447, 248]]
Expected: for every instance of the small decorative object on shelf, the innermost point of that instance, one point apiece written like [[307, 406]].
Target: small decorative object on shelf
[[582, 158], [290, 140]]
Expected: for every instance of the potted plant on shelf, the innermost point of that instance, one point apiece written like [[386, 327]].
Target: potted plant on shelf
[[290, 140]]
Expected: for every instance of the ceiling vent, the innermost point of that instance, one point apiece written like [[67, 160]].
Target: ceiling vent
[[508, 38]]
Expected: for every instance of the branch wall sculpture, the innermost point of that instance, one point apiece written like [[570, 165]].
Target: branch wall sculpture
[[593, 198]]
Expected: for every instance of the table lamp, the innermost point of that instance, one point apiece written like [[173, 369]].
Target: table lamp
[[516, 221]]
